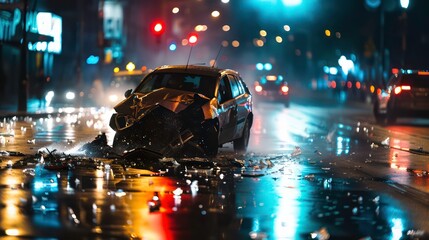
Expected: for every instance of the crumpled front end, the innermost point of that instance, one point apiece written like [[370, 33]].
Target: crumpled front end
[[176, 125]]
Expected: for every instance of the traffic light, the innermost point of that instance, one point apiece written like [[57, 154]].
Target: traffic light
[[193, 38], [158, 27]]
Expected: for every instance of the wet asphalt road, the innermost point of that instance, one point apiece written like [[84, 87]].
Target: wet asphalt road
[[311, 172]]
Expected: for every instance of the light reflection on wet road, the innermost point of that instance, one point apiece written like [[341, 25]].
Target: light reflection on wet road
[[314, 178]]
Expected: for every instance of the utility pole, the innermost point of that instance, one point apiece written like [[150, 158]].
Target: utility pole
[[23, 81], [79, 82], [382, 50]]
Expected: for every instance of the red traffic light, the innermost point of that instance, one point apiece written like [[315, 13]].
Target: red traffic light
[[158, 27], [193, 38]]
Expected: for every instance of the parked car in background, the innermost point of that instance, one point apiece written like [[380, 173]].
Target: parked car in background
[[184, 110], [273, 88], [405, 95]]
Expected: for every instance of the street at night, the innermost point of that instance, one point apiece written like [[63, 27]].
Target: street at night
[[311, 172], [214, 119]]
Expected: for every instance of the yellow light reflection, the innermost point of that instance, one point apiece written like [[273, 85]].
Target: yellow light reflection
[[12, 232], [99, 182]]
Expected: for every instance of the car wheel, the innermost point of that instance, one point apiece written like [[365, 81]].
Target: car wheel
[[379, 118], [391, 117], [240, 144]]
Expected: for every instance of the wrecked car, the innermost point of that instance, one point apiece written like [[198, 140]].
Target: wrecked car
[[184, 110]]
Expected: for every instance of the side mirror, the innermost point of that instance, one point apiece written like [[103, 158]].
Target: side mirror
[[128, 93]]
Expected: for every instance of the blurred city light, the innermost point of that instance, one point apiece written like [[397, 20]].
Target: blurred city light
[[235, 43], [279, 39], [338, 34], [259, 66], [200, 28], [268, 66], [175, 10], [48, 98], [70, 95], [346, 64], [193, 38], [226, 28], [333, 70], [326, 69], [327, 33], [172, 47], [286, 28], [158, 27], [263, 33], [215, 14], [405, 3], [130, 66], [373, 3], [91, 60], [225, 1], [291, 3], [258, 42]]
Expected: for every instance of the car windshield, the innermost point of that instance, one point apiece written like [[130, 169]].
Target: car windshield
[[181, 81], [414, 80], [119, 80]]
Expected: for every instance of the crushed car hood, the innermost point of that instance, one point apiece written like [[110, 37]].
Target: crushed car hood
[[174, 100]]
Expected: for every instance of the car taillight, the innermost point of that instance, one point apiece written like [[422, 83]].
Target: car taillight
[[258, 88], [285, 89], [399, 89]]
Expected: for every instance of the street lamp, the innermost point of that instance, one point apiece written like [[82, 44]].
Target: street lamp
[[404, 5]]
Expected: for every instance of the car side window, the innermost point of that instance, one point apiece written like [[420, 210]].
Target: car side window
[[224, 91], [234, 86], [240, 85]]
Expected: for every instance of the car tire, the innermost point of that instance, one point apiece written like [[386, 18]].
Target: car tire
[[391, 117], [379, 118], [240, 144]]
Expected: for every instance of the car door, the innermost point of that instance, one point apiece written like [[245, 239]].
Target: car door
[[227, 111], [241, 100]]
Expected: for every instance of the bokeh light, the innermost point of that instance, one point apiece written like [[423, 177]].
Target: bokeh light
[[226, 28], [175, 10], [215, 14]]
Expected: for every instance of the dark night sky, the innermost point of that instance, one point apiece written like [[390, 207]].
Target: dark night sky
[[352, 18]]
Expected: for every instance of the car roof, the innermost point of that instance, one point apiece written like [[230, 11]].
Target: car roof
[[195, 69]]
